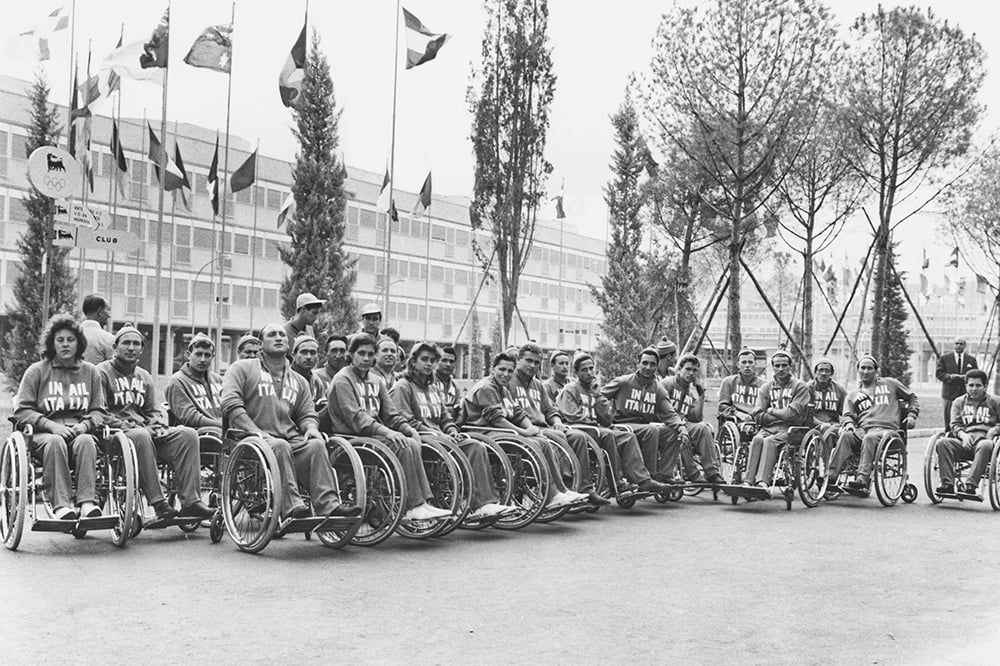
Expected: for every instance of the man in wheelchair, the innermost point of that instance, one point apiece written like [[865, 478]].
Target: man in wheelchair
[[688, 400], [975, 421], [828, 403], [870, 411], [264, 395], [193, 392], [738, 393]]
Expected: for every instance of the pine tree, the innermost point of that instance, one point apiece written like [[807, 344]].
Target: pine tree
[[316, 255], [27, 319], [623, 298], [475, 347], [894, 357]]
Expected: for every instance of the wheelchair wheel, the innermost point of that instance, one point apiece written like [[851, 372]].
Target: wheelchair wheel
[[932, 470], [596, 471], [994, 476], [501, 473], [385, 492], [252, 495], [529, 483], [118, 488], [349, 474], [464, 495], [445, 481], [13, 489], [565, 459], [890, 469], [741, 458], [811, 479]]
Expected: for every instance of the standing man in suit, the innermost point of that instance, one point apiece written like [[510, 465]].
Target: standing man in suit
[[951, 369]]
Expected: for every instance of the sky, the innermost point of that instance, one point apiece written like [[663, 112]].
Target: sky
[[597, 45]]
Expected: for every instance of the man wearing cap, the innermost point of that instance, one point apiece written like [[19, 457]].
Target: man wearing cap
[[371, 319], [782, 403], [444, 376], [265, 396], [531, 396], [248, 346], [870, 411], [193, 391], [688, 400], [738, 393], [134, 409], [305, 352], [100, 343], [559, 367], [307, 309], [828, 404], [641, 402], [666, 354], [951, 369], [975, 421], [580, 402]]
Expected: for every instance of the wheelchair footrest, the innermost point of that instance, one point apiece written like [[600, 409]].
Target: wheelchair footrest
[[751, 492], [301, 525], [159, 523], [484, 521], [962, 497], [53, 525], [636, 495], [337, 524], [100, 523], [853, 492]]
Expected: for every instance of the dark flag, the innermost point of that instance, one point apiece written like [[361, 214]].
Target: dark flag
[[422, 45], [293, 71], [156, 50], [184, 185], [213, 49], [213, 178], [121, 164], [245, 176], [424, 198]]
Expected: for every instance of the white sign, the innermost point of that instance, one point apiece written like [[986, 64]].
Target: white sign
[[82, 216], [54, 172], [111, 240]]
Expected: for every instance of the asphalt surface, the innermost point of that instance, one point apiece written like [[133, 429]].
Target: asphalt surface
[[696, 582]]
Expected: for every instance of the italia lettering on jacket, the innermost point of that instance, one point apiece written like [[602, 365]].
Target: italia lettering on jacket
[[66, 397], [682, 400], [265, 389], [744, 394], [643, 402], [587, 403], [129, 391], [824, 401], [204, 400], [973, 414], [431, 405], [781, 396]]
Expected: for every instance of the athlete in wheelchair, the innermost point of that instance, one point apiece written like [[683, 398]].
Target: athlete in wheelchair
[[59, 412], [273, 447], [700, 462], [957, 461], [872, 442]]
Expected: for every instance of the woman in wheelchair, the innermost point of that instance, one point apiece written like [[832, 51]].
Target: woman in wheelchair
[[62, 399], [359, 406], [421, 401]]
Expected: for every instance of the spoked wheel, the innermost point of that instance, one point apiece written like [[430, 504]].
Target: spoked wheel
[[994, 477], [13, 489], [595, 470], [464, 494], [890, 469], [501, 474], [349, 473], [385, 492], [565, 459], [118, 488], [445, 481], [252, 495], [812, 474], [932, 469], [529, 483]]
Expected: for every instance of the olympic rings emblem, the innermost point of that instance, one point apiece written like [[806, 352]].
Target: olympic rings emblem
[[56, 183]]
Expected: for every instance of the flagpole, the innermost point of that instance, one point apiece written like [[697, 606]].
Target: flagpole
[[142, 205], [253, 237], [427, 281], [85, 182], [169, 347], [155, 369], [392, 175], [116, 115], [72, 65], [225, 185]]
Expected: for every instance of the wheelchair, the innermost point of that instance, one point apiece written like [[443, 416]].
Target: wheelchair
[[990, 483], [21, 483], [502, 475], [889, 473], [525, 481], [451, 485], [252, 495], [800, 468]]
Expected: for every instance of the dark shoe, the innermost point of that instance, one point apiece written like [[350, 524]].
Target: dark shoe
[[717, 480], [197, 510], [164, 511], [345, 511], [971, 489], [663, 478], [300, 512], [653, 486], [860, 483], [945, 489], [697, 477], [597, 500]]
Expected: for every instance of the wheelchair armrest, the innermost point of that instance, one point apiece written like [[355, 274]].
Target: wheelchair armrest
[[623, 426], [25, 429], [796, 434], [583, 426], [240, 433], [475, 428]]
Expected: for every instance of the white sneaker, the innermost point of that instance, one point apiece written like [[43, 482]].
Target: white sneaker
[[492, 509], [559, 500], [427, 512], [579, 498]]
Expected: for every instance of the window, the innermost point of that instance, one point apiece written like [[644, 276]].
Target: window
[[271, 298], [366, 263], [274, 198], [202, 239], [273, 251], [182, 255], [438, 233], [243, 196], [259, 195], [242, 244], [19, 147], [437, 274], [18, 212], [366, 218], [239, 295], [258, 246], [202, 291], [4, 160], [179, 309], [180, 289]]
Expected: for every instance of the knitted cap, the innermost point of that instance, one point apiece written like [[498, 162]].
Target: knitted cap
[[126, 330], [823, 361], [579, 359], [305, 337], [556, 353], [249, 337], [200, 339], [746, 352], [781, 353], [868, 357], [665, 346]]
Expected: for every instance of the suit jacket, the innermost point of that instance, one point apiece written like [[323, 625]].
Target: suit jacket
[[951, 376]]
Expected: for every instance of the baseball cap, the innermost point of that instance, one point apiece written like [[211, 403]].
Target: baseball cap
[[307, 299], [370, 309]]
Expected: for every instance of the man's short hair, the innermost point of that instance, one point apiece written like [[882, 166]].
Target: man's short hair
[[529, 348], [359, 340], [93, 303], [500, 358], [650, 351], [688, 358], [342, 338], [390, 332], [448, 349], [977, 373]]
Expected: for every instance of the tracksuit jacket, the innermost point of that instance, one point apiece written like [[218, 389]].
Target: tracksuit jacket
[[360, 405], [51, 393], [282, 409], [638, 401], [975, 417], [686, 399], [534, 400], [739, 395], [487, 402], [195, 401], [584, 404], [789, 404], [422, 404], [131, 397], [878, 406], [828, 403]]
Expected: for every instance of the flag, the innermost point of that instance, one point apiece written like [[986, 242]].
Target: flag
[[40, 35], [142, 60], [961, 286], [830, 275], [121, 163], [424, 198], [112, 80], [953, 261], [422, 45], [287, 209], [185, 184], [213, 178], [213, 49], [293, 71], [924, 286], [382, 204], [560, 211], [245, 176], [982, 284], [74, 113], [927, 262], [173, 178]]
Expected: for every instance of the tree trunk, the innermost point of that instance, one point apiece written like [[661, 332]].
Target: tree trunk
[[881, 269], [807, 297], [733, 314]]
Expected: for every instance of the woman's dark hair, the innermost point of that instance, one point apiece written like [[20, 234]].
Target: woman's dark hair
[[61, 322]]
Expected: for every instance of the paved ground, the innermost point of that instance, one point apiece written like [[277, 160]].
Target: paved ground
[[849, 582]]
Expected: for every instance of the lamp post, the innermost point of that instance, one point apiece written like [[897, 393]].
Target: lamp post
[[222, 257]]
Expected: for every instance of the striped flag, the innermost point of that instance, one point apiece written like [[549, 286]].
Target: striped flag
[[145, 60], [422, 45], [292, 73], [173, 178]]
